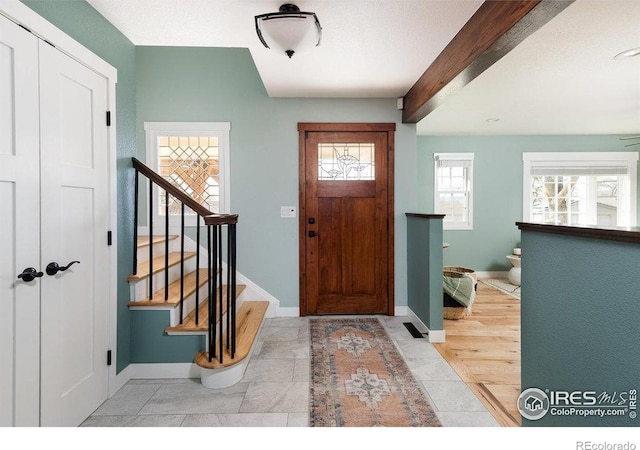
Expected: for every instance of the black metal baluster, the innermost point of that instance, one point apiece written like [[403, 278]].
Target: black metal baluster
[[220, 301], [221, 343], [209, 291], [166, 245], [232, 268], [229, 331], [182, 263], [213, 317], [135, 224], [197, 267], [150, 240]]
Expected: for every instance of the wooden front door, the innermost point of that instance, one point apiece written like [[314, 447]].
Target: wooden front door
[[346, 218]]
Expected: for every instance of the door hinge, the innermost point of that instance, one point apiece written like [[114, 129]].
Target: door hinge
[[22, 26], [108, 118], [108, 357], [109, 241]]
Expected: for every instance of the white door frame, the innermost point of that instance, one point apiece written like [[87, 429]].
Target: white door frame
[[23, 15]]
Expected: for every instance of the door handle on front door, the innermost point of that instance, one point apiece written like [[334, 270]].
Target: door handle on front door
[[53, 268], [313, 234], [30, 274]]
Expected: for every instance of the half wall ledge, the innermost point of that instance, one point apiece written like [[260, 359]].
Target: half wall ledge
[[620, 234]]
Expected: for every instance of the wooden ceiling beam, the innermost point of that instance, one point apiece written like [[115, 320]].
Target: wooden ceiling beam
[[495, 29]]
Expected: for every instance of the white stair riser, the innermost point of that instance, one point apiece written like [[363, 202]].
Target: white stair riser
[[140, 290], [158, 249], [188, 306]]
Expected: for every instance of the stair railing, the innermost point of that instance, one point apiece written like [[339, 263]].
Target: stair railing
[[217, 301]]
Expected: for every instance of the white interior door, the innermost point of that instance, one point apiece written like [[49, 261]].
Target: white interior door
[[19, 227], [75, 216]]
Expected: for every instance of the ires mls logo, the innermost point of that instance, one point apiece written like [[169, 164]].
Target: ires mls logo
[[534, 404]]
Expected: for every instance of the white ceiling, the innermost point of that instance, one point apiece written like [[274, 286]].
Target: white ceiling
[[561, 80]]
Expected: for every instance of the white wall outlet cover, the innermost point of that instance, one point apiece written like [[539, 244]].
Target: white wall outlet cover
[[288, 211]]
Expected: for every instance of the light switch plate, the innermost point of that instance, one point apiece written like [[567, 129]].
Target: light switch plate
[[288, 212]]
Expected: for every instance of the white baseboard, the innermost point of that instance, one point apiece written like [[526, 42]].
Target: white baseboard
[[288, 311], [432, 335], [437, 336], [494, 274], [153, 371], [400, 310], [253, 290], [164, 370], [213, 379]]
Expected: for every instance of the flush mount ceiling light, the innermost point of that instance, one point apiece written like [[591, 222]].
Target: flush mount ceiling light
[[289, 31]]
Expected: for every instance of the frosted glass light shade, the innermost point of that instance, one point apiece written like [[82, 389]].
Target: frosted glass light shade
[[289, 31]]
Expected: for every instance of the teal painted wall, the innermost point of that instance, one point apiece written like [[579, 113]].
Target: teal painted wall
[[497, 179], [223, 85], [205, 84], [220, 84], [83, 23], [580, 316], [151, 345]]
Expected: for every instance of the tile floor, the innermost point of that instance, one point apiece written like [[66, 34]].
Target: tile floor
[[275, 389]]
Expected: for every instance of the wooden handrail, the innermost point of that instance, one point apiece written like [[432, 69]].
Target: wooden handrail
[[209, 217]]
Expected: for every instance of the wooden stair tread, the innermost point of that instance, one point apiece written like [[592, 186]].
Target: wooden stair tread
[[143, 241], [248, 320], [158, 265], [174, 291], [189, 323]]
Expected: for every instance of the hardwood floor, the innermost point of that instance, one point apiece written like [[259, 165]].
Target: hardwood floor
[[484, 350]]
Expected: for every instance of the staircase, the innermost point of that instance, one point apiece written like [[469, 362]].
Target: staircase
[[197, 288]]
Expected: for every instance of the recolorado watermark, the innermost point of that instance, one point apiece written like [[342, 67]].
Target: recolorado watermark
[[588, 445], [534, 404]]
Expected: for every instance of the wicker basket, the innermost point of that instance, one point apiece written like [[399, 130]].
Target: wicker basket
[[463, 270], [456, 312]]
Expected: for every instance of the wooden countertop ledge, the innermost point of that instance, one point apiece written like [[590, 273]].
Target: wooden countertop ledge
[[620, 234]]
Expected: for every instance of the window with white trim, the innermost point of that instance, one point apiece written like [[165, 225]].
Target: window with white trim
[[454, 189], [193, 156], [581, 188]]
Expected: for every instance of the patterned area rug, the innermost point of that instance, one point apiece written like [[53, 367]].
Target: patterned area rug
[[359, 379], [504, 286]]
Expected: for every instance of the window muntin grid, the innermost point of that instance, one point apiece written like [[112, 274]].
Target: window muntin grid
[[346, 161], [453, 193], [192, 164], [610, 179], [576, 200]]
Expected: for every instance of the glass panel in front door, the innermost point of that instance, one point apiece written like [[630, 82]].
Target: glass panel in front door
[[346, 161]]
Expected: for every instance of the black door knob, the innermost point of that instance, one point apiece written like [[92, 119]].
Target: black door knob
[[30, 274], [53, 267]]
